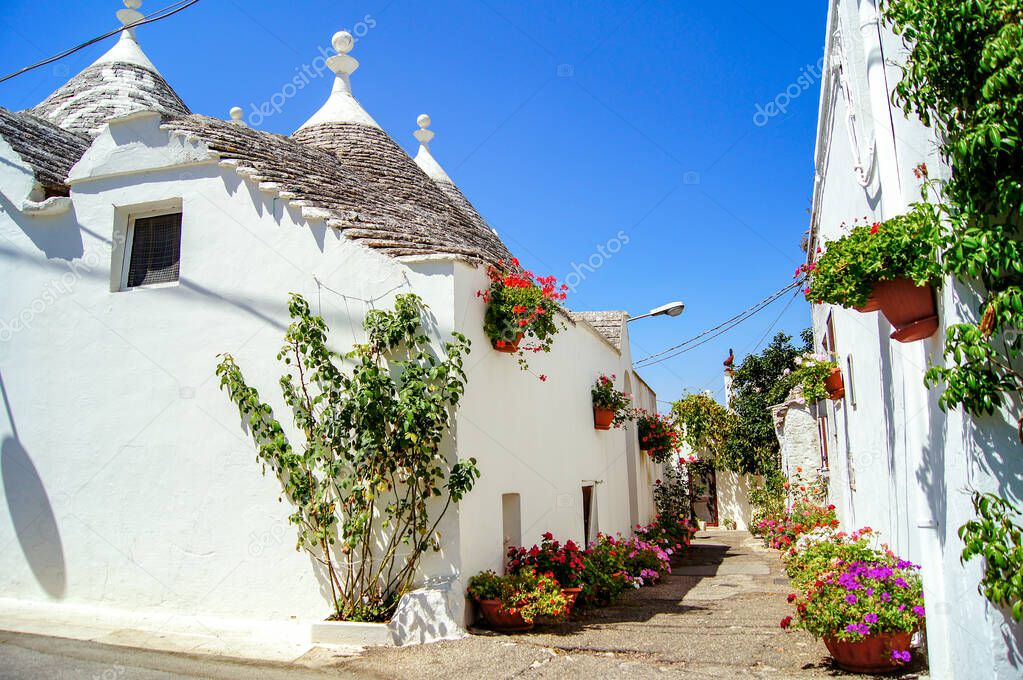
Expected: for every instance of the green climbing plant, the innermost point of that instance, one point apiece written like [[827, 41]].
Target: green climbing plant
[[995, 536], [368, 480], [702, 421], [964, 76]]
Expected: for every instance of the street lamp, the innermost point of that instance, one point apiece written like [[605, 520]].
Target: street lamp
[[670, 309]]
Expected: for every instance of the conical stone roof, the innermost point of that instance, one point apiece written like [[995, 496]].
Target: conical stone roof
[[122, 81]]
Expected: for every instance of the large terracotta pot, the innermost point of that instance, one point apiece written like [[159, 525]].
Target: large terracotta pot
[[509, 346], [602, 418], [571, 594], [870, 655], [908, 307], [500, 619], [872, 304], [834, 384]]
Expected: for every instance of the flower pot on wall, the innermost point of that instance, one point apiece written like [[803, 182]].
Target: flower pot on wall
[[501, 619], [909, 308], [602, 418], [834, 384], [507, 346], [870, 655], [871, 305]]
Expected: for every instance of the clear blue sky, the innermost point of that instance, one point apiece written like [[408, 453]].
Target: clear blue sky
[[564, 122]]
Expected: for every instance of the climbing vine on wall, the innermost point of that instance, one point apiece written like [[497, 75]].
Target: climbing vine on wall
[[964, 76], [997, 538], [368, 481]]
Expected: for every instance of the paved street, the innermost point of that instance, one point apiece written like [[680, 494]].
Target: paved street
[[715, 617]]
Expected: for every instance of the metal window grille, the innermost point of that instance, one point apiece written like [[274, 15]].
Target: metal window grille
[[155, 250]]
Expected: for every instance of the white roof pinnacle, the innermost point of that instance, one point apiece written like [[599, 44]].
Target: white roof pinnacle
[[341, 106], [127, 50], [237, 116], [424, 159]]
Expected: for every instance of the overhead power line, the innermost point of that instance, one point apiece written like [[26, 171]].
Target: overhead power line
[[169, 10], [711, 333]]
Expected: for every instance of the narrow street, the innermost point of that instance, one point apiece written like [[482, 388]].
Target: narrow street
[[716, 616]]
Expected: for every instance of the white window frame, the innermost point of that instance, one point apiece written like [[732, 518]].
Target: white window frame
[[155, 210]]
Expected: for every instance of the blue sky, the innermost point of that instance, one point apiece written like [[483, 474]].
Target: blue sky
[[568, 124]]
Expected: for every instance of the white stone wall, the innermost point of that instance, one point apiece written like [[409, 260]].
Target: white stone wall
[[128, 479], [898, 463]]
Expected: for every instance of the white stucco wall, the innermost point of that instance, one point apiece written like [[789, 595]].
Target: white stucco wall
[[128, 479], [537, 438], [897, 462]]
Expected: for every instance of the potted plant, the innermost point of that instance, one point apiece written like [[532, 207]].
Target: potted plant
[[520, 304], [564, 562], [512, 603], [657, 435], [865, 611], [819, 376], [604, 571], [610, 405], [891, 266]]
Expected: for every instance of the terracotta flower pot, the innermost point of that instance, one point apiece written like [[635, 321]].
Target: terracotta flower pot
[[499, 618], [571, 594], [870, 655], [834, 384], [602, 418], [508, 346], [872, 304], [908, 307]]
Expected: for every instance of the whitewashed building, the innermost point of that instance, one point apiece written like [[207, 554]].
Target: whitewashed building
[[896, 462], [139, 240]]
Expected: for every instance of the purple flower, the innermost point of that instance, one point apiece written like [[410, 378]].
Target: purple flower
[[901, 655], [850, 598], [885, 597], [902, 607], [900, 582], [859, 628], [870, 618], [918, 610], [870, 591]]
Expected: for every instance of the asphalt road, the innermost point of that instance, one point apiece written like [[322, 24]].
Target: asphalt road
[[34, 656]]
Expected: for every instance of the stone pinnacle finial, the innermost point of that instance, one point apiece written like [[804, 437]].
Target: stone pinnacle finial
[[342, 64], [131, 14], [237, 116], [422, 134]]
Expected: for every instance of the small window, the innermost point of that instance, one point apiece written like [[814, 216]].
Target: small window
[[152, 251]]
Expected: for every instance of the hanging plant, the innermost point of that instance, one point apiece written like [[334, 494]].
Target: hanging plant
[[849, 268], [611, 406], [521, 306], [657, 435], [813, 372]]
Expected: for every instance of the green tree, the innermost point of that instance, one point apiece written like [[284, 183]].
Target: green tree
[[760, 382], [368, 482]]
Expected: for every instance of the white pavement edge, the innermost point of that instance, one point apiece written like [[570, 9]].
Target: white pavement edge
[[282, 641]]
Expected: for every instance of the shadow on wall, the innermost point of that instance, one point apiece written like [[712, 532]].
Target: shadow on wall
[[32, 518], [31, 512]]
